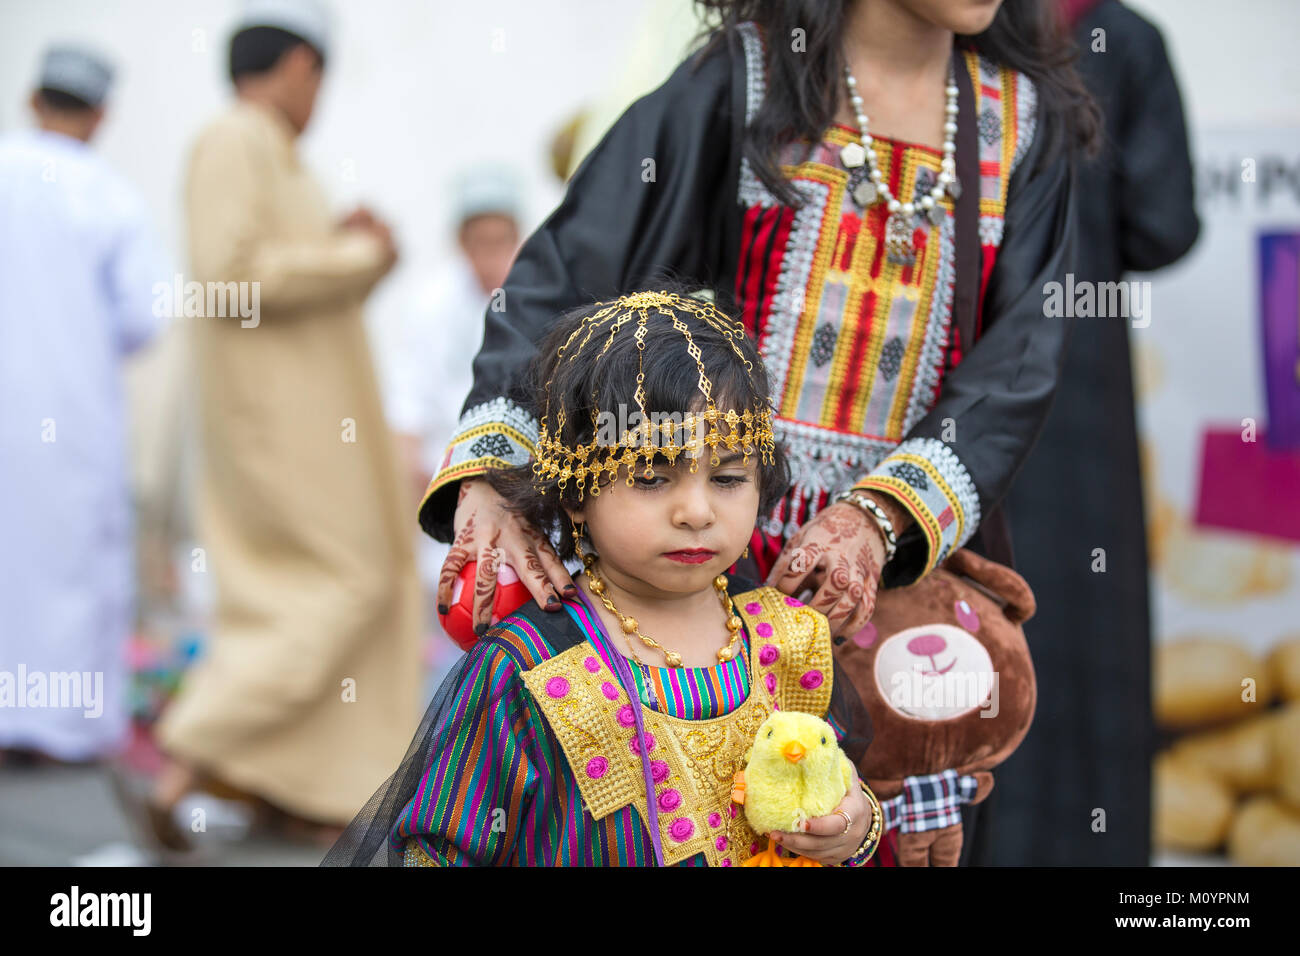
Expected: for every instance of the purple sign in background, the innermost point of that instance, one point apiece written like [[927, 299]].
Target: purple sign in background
[[1279, 313]]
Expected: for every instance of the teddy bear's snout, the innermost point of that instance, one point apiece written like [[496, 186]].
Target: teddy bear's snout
[[927, 645]]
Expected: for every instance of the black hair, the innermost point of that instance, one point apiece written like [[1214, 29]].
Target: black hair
[[59, 100], [804, 88], [581, 385], [255, 50]]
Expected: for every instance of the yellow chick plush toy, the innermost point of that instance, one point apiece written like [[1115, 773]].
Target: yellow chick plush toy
[[795, 770]]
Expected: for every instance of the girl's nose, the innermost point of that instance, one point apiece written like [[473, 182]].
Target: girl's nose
[[693, 508]]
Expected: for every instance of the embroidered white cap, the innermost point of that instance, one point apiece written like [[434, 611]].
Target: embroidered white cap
[[77, 71], [308, 19]]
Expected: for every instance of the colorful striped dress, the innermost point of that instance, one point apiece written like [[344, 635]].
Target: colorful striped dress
[[538, 697]]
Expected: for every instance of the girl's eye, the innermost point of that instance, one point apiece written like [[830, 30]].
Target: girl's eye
[[643, 482], [728, 481]]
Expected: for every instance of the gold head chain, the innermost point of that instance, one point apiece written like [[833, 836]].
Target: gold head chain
[[749, 430]]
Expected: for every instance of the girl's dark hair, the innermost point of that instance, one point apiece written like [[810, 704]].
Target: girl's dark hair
[[804, 88], [583, 385]]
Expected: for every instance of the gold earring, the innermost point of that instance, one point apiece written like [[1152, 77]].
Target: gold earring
[[577, 543], [745, 553]]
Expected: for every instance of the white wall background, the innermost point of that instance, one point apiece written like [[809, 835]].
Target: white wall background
[[415, 90]]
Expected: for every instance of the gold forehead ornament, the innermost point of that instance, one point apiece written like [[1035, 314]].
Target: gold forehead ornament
[[748, 430]]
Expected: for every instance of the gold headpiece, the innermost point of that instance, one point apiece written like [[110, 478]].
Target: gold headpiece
[[748, 430]]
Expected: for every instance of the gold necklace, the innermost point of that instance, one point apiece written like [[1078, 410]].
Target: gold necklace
[[630, 626]]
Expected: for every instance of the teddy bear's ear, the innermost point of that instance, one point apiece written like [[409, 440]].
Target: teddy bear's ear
[[1000, 582]]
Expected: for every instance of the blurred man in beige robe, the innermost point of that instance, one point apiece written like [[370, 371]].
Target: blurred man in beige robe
[[306, 695]]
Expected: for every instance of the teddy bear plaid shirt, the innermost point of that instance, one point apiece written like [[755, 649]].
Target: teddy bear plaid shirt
[[929, 802]]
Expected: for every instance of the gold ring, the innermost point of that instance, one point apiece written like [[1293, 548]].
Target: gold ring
[[848, 820]]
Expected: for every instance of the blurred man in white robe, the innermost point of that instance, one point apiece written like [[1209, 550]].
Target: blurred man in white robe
[[78, 265]]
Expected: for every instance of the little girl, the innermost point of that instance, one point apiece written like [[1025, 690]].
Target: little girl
[[610, 734]]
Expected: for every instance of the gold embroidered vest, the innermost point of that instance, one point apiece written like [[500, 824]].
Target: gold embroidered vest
[[693, 761]]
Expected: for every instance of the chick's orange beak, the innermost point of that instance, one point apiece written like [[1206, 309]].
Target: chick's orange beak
[[793, 751]]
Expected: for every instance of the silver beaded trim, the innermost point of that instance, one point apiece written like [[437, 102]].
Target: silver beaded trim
[[752, 192], [825, 460], [959, 481], [496, 430], [1026, 119], [777, 345]]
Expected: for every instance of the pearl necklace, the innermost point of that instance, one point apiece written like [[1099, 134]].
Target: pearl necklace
[[898, 230], [631, 628]]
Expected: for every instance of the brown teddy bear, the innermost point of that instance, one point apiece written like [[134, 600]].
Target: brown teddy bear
[[944, 670]]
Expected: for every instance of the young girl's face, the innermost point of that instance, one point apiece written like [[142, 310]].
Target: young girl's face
[[640, 532]]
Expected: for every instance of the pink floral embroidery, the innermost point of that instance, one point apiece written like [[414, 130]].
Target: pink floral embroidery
[[609, 690], [770, 681], [768, 655], [720, 843], [753, 607], [625, 715], [596, 767], [764, 629], [681, 829], [591, 664], [658, 771], [635, 746], [793, 603], [669, 800], [811, 680], [557, 687], [715, 819]]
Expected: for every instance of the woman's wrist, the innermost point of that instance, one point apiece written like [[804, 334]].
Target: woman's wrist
[[877, 518], [898, 516], [874, 829]]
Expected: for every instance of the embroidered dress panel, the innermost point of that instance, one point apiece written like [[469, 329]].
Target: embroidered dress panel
[[857, 345], [534, 731]]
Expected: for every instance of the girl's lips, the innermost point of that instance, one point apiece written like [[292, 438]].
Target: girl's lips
[[690, 557]]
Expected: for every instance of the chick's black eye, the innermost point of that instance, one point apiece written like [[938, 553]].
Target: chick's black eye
[[769, 733], [823, 740]]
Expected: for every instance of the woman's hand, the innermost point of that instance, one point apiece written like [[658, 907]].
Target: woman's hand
[[489, 534], [823, 838], [839, 553]]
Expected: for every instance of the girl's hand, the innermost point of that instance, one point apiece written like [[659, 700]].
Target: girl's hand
[[823, 838], [489, 534], [839, 553]]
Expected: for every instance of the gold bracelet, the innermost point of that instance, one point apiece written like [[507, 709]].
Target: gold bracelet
[[872, 840]]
